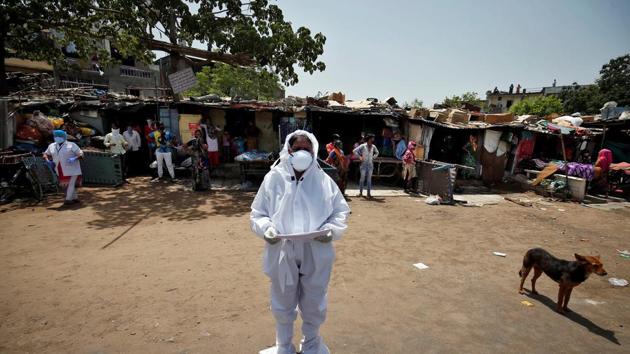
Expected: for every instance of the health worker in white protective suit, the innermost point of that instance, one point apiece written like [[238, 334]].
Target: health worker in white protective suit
[[298, 197]]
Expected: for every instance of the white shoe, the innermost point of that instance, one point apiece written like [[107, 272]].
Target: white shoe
[[276, 350]]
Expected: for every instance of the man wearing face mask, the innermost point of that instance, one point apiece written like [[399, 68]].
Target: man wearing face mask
[[133, 154], [298, 197], [64, 156], [117, 145]]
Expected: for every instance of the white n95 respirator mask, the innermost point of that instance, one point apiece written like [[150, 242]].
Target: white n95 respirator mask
[[301, 160]]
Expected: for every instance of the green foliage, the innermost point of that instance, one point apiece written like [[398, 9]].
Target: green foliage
[[35, 29], [416, 103], [467, 97], [614, 80], [227, 80], [583, 99], [539, 106]]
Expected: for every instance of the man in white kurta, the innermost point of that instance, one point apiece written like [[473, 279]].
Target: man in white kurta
[[117, 145], [293, 201]]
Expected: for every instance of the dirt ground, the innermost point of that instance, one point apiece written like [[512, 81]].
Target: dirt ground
[[159, 269]]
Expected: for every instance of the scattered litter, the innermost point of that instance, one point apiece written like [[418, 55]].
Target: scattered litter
[[543, 209], [561, 210], [624, 253], [500, 254], [132, 333], [169, 290], [527, 303], [618, 282], [205, 334], [421, 266], [433, 200], [520, 201], [593, 302], [272, 350], [171, 340], [156, 325]]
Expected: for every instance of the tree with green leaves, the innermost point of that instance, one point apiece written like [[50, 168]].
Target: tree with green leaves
[[584, 99], [457, 101], [416, 103], [232, 81], [539, 106], [36, 29], [614, 80]]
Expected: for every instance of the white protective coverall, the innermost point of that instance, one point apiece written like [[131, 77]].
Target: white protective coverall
[[299, 269]]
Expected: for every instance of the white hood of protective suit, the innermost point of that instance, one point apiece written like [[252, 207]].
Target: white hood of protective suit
[[298, 206], [313, 203]]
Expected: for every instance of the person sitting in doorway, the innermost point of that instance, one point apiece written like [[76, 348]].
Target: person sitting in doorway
[[226, 147], [252, 133]]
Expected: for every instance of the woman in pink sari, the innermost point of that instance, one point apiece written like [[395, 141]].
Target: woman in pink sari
[[602, 165]]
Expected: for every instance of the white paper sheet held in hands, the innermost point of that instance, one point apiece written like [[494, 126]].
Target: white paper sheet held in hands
[[304, 236]]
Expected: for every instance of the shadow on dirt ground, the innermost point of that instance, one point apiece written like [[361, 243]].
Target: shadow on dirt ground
[[575, 317], [131, 203]]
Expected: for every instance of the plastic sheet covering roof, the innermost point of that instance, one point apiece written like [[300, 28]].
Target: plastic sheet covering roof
[[90, 98], [469, 125]]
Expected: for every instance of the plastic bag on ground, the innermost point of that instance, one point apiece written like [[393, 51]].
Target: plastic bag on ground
[[618, 282], [433, 200]]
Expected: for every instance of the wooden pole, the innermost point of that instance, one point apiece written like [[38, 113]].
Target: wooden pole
[[566, 168]]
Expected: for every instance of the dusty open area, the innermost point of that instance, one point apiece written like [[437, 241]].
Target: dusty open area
[[159, 269]]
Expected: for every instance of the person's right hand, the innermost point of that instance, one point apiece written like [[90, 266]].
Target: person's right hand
[[271, 236]]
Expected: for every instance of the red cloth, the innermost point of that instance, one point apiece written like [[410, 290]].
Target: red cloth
[[65, 180], [410, 155], [213, 158], [147, 132], [605, 158], [330, 147], [525, 149]]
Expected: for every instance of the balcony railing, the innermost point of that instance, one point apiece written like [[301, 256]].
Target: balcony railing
[[135, 72]]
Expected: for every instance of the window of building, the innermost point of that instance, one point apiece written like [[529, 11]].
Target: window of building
[[500, 98], [509, 104], [134, 92]]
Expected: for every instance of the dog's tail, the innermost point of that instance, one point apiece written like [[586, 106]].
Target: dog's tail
[[527, 261]]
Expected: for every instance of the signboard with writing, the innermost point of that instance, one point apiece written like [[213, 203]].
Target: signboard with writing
[[182, 80]]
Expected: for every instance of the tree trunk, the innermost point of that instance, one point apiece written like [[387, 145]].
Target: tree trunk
[[4, 88]]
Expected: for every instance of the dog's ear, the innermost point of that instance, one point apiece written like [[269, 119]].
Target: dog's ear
[[580, 258]]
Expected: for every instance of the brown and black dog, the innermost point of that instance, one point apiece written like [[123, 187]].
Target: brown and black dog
[[568, 274]]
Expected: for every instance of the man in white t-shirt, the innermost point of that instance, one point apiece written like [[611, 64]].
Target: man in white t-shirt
[[212, 141], [117, 145], [133, 139]]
